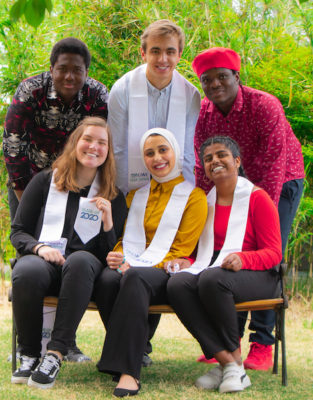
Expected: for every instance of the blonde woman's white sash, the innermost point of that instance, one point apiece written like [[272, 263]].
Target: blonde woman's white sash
[[236, 228], [134, 240], [54, 216], [138, 121]]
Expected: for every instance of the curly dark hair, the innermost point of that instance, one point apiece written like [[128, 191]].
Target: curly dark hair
[[70, 45]]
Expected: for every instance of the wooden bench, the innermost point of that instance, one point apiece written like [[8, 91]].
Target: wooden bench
[[278, 305]]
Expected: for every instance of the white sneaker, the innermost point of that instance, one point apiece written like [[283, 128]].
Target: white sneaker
[[211, 380], [234, 378]]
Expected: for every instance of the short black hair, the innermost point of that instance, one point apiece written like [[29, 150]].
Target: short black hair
[[229, 143], [70, 45]]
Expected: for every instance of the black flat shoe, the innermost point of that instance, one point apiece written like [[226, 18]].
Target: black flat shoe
[[121, 392]]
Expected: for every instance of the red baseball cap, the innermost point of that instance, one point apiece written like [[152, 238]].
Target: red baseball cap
[[216, 57]]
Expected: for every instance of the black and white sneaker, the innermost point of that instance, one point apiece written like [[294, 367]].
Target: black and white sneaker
[[46, 372], [28, 364]]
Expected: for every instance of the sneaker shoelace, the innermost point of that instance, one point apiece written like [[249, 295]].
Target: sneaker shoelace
[[47, 364], [27, 363]]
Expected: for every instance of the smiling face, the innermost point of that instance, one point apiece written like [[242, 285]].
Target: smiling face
[[159, 156], [219, 163], [161, 55], [69, 74], [92, 147], [220, 85]]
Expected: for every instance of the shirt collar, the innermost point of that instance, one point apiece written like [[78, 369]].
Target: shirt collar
[[153, 90], [237, 106], [166, 186]]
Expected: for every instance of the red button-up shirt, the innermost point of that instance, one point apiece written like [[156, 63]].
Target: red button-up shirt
[[270, 152]]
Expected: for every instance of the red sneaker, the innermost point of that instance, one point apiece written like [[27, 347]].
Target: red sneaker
[[259, 357], [212, 360], [205, 360]]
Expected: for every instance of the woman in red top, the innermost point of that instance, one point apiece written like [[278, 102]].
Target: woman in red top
[[242, 239]]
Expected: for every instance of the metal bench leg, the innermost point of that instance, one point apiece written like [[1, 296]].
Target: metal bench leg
[[283, 349], [277, 337], [13, 344]]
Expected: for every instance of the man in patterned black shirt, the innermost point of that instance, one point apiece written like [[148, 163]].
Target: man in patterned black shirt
[[45, 110]]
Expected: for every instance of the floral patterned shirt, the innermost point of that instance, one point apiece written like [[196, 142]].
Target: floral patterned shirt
[[38, 124], [270, 152]]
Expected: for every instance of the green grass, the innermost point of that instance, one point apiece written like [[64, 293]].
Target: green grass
[[174, 370]]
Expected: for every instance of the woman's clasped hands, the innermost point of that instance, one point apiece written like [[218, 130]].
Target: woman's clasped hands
[[173, 266], [116, 260], [232, 262], [49, 254]]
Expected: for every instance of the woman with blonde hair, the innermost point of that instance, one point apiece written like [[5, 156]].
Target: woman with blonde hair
[[66, 223]]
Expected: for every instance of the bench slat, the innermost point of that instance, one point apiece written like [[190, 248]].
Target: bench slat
[[268, 304]]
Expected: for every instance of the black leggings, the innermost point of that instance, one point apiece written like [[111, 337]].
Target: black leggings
[[205, 303], [33, 278]]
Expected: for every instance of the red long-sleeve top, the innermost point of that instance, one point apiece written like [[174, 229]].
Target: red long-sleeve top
[[261, 247]]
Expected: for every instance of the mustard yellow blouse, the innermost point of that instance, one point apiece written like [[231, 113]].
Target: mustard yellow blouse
[[191, 224]]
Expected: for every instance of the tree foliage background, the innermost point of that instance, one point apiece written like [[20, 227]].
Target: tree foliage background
[[273, 37]]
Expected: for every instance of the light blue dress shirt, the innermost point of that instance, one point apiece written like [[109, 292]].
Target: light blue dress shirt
[[158, 106]]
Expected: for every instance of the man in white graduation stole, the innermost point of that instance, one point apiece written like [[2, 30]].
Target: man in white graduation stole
[[150, 96]]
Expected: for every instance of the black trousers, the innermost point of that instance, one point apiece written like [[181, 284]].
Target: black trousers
[[105, 293], [127, 321], [13, 203], [262, 322], [205, 303], [33, 278]]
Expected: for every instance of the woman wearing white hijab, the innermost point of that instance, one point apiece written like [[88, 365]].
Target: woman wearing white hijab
[[163, 221]]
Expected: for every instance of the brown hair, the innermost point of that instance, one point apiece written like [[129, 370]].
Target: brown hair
[[66, 163], [163, 27]]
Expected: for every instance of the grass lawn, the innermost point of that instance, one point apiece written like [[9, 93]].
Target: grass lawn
[[174, 370]]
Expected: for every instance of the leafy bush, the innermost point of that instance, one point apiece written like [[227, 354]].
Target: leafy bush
[[274, 38]]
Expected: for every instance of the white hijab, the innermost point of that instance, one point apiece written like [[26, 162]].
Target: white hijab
[[134, 239], [168, 135]]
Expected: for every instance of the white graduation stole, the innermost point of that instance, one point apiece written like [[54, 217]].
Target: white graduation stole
[[51, 232], [138, 121], [134, 240], [54, 216], [236, 228]]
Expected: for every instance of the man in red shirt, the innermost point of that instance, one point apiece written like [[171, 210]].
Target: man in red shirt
[[271, 157]]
